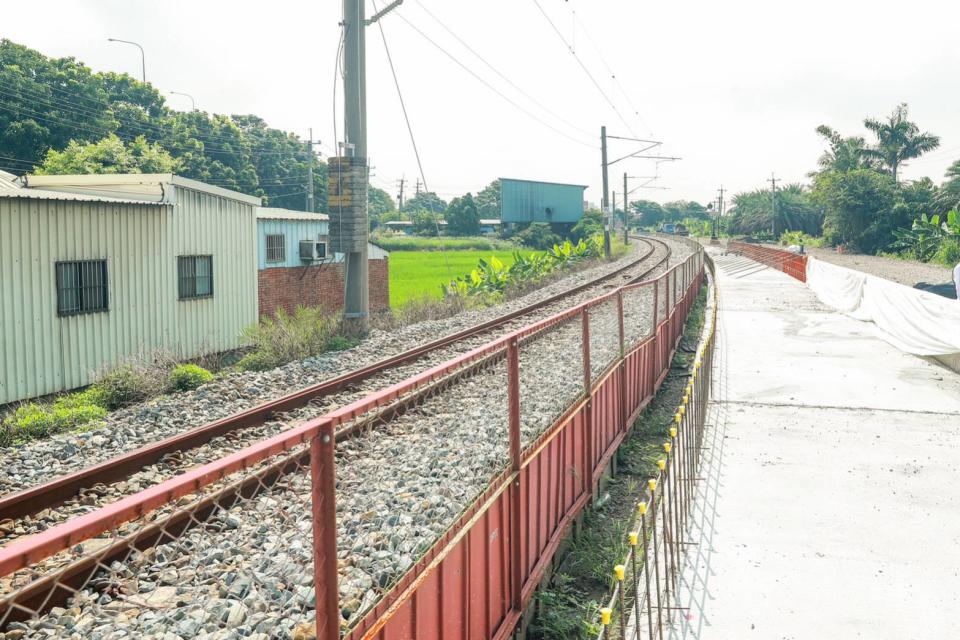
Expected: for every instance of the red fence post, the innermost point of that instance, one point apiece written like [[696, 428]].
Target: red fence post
[[655, 360], [516, 517], [323, 480], [588, 389]]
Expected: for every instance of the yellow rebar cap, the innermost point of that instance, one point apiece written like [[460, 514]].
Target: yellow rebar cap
[[605, 614], [673, 432], [662, 464], [651, 484], [642, 507], [634, 538], [620, 571], [666, 447]]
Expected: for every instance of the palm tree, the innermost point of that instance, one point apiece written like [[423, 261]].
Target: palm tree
[[948, 195], [844, 154], [898, 140]]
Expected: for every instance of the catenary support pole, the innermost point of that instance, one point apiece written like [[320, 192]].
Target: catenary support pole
[[626, 210], [605, 205]]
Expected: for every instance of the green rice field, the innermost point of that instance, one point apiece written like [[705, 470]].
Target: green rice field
[[414, 274]]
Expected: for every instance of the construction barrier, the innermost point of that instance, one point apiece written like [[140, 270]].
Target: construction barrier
[[278, 518], [792, 264], [644, 603]]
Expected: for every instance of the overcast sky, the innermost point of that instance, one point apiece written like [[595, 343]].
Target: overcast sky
[[734, 88]]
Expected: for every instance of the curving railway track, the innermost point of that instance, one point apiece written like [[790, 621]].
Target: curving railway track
[[47, 505]]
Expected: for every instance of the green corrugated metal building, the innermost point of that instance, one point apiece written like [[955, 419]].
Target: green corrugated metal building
[[100, 268], [523, 201]]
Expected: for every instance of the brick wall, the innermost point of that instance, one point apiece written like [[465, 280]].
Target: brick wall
[[317, 286]]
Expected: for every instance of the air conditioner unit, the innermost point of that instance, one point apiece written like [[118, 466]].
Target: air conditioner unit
[[312, 250]]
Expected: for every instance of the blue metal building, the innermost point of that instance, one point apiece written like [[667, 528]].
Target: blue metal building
[[523, 201]]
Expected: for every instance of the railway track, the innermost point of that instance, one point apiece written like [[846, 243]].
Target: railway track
[[220, 438]]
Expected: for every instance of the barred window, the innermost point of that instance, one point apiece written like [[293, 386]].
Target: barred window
[[195, 277], [276, 248], [81, 287]]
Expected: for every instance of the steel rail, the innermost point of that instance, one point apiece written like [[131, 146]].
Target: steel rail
[[350, 419], [55, 492]]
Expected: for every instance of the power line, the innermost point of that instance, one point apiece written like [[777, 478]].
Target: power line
[[148, 129], [585, 69], [502, 76], [491, 87], [616, 80]]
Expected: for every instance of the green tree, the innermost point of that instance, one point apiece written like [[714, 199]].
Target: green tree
[[379, 202], [844, 154], [463, 217], [858, 208], [589, 225], [649, 213], [538, 235], [898, 140], [425, 223], [948, 195], [681, 209], [488, 201], [425, 201], [109, 155], [752, 212]]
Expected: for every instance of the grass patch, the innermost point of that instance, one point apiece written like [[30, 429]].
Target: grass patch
[[568, 606], [285, 338], [415, 243], [187, 377], [415, 275]]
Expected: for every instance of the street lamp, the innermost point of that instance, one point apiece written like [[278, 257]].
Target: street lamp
[[193, 103], [143, 57]]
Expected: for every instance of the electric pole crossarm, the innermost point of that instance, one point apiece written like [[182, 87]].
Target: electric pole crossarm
[[387, 9], [635, 154]]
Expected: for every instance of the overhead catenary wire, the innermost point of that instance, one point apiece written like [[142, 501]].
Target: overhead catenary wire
[[413, 140], [487, 84], [490, 66], [584, 67], [616, 79]]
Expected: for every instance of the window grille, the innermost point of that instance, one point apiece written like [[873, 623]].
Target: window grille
[[276, 248], [81, 287], [195, 277]]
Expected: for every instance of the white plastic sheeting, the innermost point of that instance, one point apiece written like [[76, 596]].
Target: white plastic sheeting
[[914, 321]]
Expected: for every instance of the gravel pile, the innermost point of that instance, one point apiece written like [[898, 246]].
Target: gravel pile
[[247, 573]]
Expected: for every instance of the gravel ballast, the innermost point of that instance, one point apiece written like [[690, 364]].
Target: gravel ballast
[[247, 572]]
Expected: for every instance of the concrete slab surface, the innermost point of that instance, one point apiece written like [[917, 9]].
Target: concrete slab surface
[[831, 501]]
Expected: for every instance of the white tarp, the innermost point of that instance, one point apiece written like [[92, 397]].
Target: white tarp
[[914, 321]]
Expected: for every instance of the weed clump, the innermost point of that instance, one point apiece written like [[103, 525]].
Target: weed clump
[[289, 337], [187, 377]]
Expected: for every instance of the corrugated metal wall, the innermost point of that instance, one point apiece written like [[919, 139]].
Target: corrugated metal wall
[[293, 232], [528, 201], [42, 353]]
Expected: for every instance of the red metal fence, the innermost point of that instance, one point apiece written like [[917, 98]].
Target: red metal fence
[[472, 579], [790, 263]]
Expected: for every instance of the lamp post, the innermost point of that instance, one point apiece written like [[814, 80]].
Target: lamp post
[[143, 57], [193, 103]]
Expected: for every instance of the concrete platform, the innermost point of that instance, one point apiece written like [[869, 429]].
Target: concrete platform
[[831, 501]]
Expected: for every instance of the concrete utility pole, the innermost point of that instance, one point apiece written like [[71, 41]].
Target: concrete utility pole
[[356, 306], [605, 205], [401, 181], [716, 220], [310, 206], [773, 207], [418, 186]]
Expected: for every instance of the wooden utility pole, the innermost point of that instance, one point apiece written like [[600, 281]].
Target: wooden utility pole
[[401, 182]]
